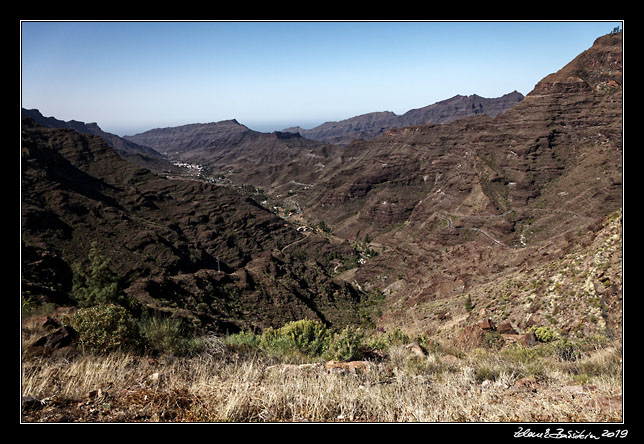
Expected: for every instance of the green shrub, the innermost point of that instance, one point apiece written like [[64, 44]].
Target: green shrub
[[383, 342], [486, 373], [242, 342], [493, 339], [346, 345], [307, 337], [545, 334], [468, 304], [105, 328], [165, 335], [566, 350], [96, 283]]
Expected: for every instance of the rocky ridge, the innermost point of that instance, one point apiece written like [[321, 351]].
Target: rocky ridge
[[370, 125], [141, 155]]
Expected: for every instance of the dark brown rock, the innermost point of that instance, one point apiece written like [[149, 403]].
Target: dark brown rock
[[486, 325], [528, 339], [506, 328], [61, 338]]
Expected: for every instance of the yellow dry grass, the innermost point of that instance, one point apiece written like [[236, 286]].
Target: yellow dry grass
[[126, 388]]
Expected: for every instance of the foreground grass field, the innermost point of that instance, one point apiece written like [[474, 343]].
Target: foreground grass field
[[226, 381]]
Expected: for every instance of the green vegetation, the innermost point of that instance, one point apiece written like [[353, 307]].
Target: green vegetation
[[95, 283], [468, 304], [304, 337], [545, 334], [347, 345], [106, 327], [164, 335]]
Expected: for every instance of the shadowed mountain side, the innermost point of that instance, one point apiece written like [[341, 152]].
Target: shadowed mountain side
[[200, 251]]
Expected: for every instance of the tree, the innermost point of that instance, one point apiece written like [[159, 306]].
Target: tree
[[95, 283]]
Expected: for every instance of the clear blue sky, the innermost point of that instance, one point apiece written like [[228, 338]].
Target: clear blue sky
[[133, 76]]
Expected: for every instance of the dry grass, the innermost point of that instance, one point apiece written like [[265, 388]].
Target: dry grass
[[480, 387]]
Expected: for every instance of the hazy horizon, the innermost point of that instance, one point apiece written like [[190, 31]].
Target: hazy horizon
[[130, 77]]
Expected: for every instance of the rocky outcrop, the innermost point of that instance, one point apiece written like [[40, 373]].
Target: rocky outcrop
[[59, 340]]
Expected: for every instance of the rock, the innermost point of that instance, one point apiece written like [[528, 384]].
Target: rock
[[416, 349], [506, 328], [58, 340], [347, 367], [486, 325], [30, 403]]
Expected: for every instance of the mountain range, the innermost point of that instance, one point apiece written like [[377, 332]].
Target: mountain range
[[367, 126], [513, 203]]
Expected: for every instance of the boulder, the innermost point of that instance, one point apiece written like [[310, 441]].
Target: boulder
[[352, 367], [486, 325], [60, 339], [416, 349], [472, 336], [506, 328]]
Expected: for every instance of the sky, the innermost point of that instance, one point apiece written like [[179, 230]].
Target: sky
[[131, 76]]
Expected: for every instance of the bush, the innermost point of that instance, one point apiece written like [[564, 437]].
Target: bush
[[242, 342], [346, 345], [468, 304], [96, 283], [105, 328], [493, 339], [307, 337], [166, 336], [545, 334], [383, 342], [566, 350]]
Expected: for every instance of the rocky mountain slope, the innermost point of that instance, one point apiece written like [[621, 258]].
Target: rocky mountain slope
[[141, 155], [272, 160], [473, 201], [367, 126], [181, 246]]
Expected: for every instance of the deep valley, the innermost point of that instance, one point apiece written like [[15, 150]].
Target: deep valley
[[469, 226]]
